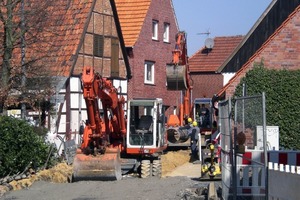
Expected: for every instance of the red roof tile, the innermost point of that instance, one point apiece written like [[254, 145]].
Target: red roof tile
[[131, 15], [210, 60], [57, 37], [74, 18]]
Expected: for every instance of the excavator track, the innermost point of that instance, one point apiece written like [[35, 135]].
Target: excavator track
[[104, 167]]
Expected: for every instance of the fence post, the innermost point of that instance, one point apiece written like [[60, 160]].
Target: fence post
[[293, 169], [270, 165]]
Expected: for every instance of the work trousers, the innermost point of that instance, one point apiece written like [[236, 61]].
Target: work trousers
[[194, 148]]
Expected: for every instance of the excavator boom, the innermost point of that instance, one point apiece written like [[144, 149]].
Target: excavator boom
[[179, 79], [99, 155]]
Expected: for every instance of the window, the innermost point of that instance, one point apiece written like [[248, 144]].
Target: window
[[114, 57], [149, 73], [154, 30], [166, 32], [98, 45]]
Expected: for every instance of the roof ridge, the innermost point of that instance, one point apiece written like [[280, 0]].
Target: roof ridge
[[229, 36]]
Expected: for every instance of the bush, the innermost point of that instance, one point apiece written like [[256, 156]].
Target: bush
[[282, 92], [20, 145]]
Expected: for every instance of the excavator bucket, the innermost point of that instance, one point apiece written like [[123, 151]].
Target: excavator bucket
[[103, 167], [176, 77]]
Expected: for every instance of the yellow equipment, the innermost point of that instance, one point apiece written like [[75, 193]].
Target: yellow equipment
[[211, 169]]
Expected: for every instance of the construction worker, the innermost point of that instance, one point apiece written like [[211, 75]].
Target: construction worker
[[188, 123], [193, 133]]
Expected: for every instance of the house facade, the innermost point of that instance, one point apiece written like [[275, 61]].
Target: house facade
[[103, 48], [149, 28], [204, 63], [75, 34], [274, 39]]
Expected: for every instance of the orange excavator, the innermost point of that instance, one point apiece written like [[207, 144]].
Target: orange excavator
[[179, 79], [113, 145]]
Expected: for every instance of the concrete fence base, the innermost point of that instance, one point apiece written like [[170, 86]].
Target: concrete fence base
[[283, 186]]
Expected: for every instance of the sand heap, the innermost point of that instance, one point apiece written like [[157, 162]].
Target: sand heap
[[173, 159], [57, 174]]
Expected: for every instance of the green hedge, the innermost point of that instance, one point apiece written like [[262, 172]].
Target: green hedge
[[20, 144], [282, 89]]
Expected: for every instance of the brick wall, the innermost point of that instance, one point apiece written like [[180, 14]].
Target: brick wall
[[158, 51], [206, 85], [281, 51]]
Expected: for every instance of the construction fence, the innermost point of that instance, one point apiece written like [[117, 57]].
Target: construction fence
[[243, 131]]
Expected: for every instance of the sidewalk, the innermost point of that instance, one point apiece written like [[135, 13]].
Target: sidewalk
[[188, 169]]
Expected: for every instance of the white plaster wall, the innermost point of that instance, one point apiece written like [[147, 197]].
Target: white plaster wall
[[227, 77], [77, 103]]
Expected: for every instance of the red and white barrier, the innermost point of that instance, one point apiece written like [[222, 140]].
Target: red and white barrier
[[291, 158], [251, 174], [251, 157]]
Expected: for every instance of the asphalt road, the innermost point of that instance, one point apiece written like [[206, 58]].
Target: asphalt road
[[128, 188], [180, 184]]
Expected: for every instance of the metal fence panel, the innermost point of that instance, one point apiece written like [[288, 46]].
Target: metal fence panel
[[226, 145], [244, 170]]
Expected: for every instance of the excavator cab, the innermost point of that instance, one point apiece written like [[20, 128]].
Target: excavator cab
[[145, 125], [146, 135]]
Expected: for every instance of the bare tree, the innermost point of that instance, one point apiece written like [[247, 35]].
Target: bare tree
[[25, 34]]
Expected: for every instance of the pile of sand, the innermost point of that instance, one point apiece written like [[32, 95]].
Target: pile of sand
[[57, 174], [173, 159]]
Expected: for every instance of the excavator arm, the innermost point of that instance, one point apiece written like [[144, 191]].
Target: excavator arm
[[99, 155], [177, 71], [94, 131], [180, 51], [179, 79], [178, 76]]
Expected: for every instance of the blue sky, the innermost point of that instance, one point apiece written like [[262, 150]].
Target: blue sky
[[219, 17]]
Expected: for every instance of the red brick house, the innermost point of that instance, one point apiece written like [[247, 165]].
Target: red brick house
[[149, 28], [274, 38], [204, 63], [83, 33]]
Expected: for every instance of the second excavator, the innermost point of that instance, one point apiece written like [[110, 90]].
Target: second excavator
[[179, 79]]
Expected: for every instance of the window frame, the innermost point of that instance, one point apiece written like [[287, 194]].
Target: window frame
[[154, 29], [166, 36], [151, 64]]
